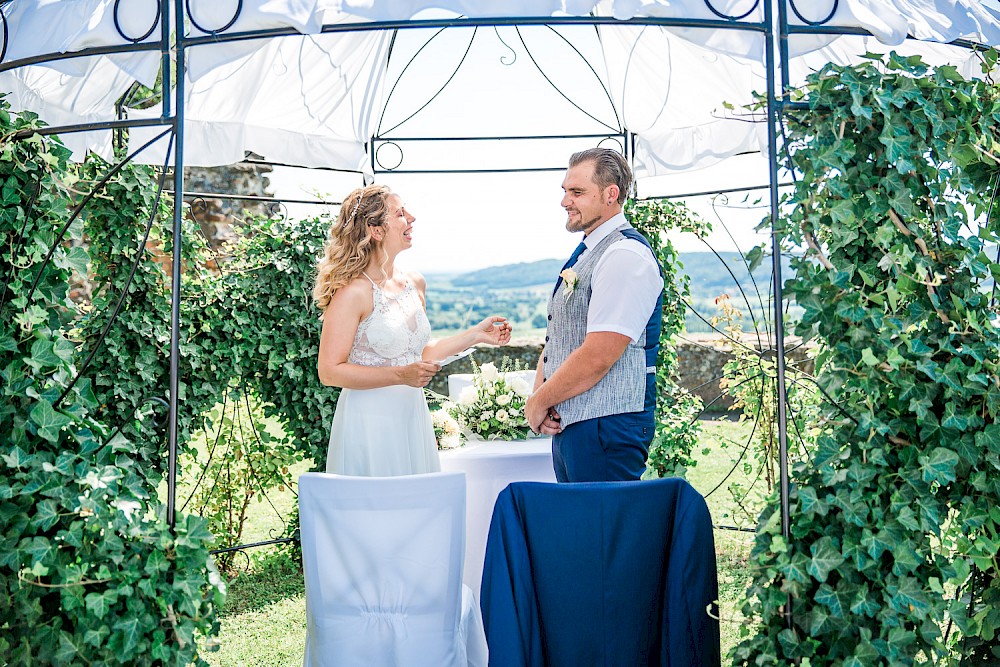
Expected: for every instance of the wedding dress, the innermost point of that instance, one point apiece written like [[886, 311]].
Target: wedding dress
[[386, 431]]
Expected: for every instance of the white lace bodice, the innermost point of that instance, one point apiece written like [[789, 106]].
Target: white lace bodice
[[395, 333]]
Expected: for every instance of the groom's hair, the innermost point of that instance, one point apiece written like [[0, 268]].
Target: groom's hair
[[610, 168]]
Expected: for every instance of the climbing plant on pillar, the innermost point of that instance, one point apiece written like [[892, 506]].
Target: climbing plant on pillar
[[897, 506], [90, 573], [676, 408]]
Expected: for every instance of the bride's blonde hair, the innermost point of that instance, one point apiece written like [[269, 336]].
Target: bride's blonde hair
[[350, 245]]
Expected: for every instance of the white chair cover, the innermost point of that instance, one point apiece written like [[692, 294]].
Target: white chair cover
[[383, 572]]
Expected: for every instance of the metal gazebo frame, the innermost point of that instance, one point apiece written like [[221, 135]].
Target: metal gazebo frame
[[774, 28]]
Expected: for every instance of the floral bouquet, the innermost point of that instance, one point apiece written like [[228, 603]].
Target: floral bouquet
[[492, 407], [446, 430]]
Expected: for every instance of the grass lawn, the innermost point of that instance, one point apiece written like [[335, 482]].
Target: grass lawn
[[263, 622]]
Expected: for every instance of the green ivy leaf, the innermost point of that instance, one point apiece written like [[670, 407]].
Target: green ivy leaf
[[989, 438], [49, 421], [130, 634], [17, 458], [78, 260], [826, 557], [43, 355], [67, 648], [908, 597], [39, 548], [46, 515], [939, 465], [100, 603]]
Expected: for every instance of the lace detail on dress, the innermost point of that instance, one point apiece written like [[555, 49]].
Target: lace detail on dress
[[396, 332]]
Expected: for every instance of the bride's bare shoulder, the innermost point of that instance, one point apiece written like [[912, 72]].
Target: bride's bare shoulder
[[356, 294], [418, 280]]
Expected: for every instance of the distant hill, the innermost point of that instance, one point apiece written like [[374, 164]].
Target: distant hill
[[522, 274], [521, 292], [709, 275]]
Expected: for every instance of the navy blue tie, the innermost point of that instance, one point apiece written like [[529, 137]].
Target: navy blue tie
[[570, 262]]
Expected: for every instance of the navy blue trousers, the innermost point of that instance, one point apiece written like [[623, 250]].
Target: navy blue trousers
[[606, 449]]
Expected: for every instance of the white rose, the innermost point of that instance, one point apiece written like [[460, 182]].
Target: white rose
[[504, 399], [502, 415], [468, 395], [489, 372], [520, 387]]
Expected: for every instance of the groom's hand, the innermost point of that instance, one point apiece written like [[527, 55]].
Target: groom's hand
[[552, 423], [541, 419]]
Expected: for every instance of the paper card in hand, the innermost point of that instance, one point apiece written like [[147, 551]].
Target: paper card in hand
[[455, 357]]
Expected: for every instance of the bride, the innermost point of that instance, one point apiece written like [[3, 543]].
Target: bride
[[376, 341]]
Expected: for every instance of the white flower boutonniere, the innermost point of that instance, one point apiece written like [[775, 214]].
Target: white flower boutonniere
[[570, 279]]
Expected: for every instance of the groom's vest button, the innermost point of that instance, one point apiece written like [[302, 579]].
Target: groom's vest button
[[545, 358], [550, 317], [546, 339]]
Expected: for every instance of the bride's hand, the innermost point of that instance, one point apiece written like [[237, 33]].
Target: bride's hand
[[494, 330], [418, 374]]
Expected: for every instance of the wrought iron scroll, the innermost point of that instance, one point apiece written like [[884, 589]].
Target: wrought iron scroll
[[513, 53], [833, 10], [377, 155], [461, 62], [3, 21], [731, 17], [207, 31], [118, 26]]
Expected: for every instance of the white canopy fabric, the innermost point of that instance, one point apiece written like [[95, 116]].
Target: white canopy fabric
[[318, 98]]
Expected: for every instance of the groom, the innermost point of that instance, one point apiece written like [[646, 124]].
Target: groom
[[595, 387]]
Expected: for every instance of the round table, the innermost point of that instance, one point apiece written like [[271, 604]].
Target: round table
[[489, 467]]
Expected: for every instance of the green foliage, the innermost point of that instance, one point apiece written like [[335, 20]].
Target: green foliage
[[246, 316], [248, 327], [492, 407], [750, 377], [89, 571], [451, 308], [243, 462], [676, 409], [895, 509]]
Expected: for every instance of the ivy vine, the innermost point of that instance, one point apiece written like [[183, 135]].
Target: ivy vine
[[671, 452], [892, 554], [89, 570]]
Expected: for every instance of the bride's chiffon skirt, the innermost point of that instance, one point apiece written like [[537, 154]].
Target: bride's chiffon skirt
[[382, 433]]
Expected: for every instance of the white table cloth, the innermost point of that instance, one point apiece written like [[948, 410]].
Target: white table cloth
[[489, 467]]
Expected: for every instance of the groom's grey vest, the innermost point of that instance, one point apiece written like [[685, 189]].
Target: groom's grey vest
[[623, 389]]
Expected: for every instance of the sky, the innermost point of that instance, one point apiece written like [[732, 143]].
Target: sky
[[474, 83], [466, 222], [464, 83]]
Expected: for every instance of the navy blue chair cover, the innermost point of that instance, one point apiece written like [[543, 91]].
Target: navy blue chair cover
[[601, 573]]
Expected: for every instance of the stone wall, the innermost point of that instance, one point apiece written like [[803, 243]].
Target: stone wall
[[700, 359], [216, 215]]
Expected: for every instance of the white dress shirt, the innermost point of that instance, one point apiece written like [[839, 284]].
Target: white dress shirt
[[624, 286]]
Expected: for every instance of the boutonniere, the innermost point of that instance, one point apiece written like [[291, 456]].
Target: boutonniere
[[570, 279]]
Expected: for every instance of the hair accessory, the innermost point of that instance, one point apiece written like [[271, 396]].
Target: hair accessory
[[356, 205]]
